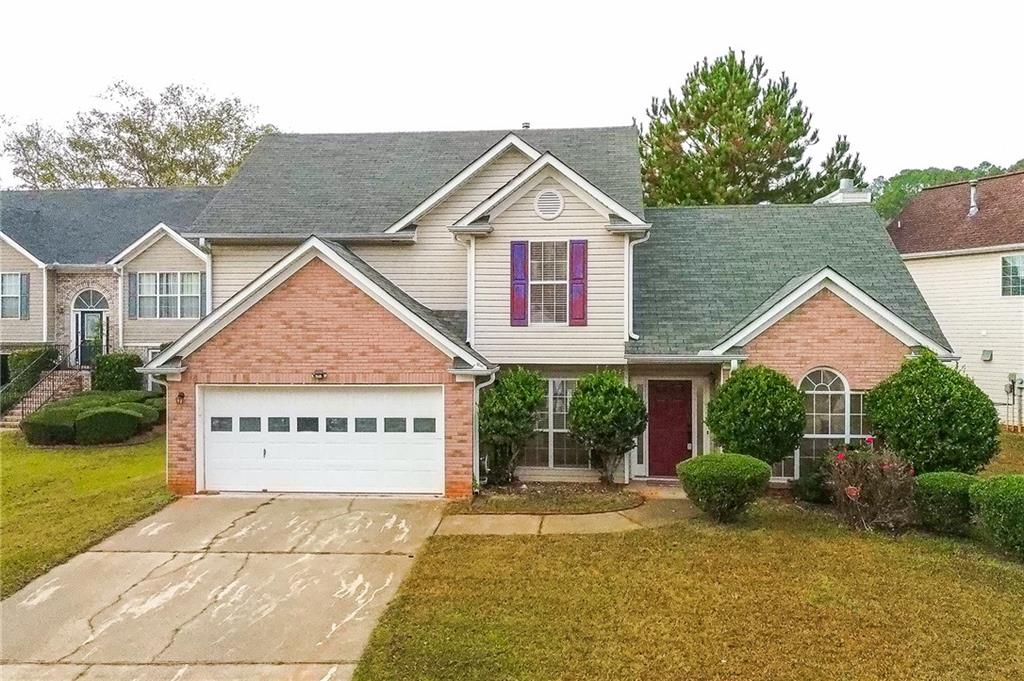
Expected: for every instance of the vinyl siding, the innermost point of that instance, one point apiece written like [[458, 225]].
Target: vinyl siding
[[434, 269], [165, 255], [964, 293], [235, 265], [23, 330], [601, 341]]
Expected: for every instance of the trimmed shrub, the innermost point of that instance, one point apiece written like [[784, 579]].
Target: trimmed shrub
[[506, 419], [871, 489], [129, 396], [148, 416], [757, 412], [606, 416], [943, 502], [160, 405], [116, 371], [999, 505], [50, 426], [934, 417], [723, 485], [104, 425], [812, 486]]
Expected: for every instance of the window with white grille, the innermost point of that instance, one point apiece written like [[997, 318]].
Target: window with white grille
[[549, 282], [549, 204]]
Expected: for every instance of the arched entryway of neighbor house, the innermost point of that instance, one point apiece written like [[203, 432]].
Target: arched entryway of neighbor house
[[89, 326]]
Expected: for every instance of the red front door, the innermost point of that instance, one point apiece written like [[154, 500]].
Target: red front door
[[670, 427]]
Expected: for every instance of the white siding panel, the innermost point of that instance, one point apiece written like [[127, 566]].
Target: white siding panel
[[235, 265], [165, 255], [964, 293], [23, 330], [601, 341], [434, 269]]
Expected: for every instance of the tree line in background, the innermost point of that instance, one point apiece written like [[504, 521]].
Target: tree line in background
[[731, 135]]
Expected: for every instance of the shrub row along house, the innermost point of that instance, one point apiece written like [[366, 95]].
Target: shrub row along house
[[326, 320]]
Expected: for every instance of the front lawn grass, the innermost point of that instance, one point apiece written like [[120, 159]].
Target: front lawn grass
[[1010, 458], [786, 594], [56, 502], [549, 497]]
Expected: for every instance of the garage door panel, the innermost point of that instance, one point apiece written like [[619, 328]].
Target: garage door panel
[[374, 439]]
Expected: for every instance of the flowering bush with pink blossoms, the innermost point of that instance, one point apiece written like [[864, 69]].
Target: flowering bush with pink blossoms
[[871, 489]]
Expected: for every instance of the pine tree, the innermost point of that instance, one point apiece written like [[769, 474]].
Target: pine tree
[[734, 135]]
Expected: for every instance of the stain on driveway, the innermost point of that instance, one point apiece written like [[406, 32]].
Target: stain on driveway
[[253, 587]]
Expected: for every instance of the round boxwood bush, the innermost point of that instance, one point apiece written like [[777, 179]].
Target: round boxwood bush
[[104, 425], [943, 501], [606, 415], [933, 416], [999, 506], [50, 426], [507, 419], [723, 485], [148, 416], [757, 412], [116, 371]]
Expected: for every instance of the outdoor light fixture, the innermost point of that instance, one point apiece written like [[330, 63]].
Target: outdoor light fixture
[[179, 398], [319, 374]]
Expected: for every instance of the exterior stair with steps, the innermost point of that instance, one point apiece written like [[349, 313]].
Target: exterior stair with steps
[[57, 385]]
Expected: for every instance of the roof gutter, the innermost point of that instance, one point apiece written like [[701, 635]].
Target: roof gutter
[[962, 251], [351, 237]]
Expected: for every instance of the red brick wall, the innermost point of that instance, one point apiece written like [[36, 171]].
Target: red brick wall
[[826, 331], [314, 320]]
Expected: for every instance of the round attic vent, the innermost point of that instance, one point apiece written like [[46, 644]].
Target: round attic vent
[[549, 204]]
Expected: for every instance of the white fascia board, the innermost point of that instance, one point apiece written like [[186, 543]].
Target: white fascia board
[[255, 291], [161, 230], [510, 140], [497, 200], [21, 249], [980, 250], [847, 291]]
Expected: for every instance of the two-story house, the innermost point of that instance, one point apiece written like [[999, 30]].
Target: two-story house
[[357, 292], [963, 244]]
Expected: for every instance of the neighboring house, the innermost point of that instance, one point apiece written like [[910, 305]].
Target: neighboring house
[[363, 289], [963, 243]]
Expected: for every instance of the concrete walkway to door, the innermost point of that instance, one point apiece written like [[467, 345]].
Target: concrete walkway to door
[[253, 587], [653, 513]]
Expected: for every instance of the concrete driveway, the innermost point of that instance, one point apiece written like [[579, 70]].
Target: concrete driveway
[[220, 588]]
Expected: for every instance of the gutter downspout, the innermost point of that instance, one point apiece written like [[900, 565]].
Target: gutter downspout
[[629, 284], [209, 274], [476, 424], [46, 306], [119, 271], [470, 246]]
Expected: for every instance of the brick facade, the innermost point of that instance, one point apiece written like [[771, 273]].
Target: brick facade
[[827, 332], [66, 287], [316, 320]]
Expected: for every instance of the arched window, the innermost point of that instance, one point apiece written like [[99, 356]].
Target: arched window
[[90, 300], [834, 415]]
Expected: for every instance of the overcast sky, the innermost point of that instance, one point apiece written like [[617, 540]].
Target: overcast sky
[[912, 84]]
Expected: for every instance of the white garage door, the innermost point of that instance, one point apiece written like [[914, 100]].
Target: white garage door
[[374, 439]]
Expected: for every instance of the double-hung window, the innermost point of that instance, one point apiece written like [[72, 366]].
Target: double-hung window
[[549, 282], [1013, 275], [169, 295], [834, 415], [551, 445], [10, 295]]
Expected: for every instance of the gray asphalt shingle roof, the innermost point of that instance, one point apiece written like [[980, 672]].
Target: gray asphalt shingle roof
[[434, 319], [707, 269], [88, 226], [358, 183]]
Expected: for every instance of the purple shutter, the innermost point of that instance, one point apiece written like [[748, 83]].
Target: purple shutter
[[519, 291], [577, 283]]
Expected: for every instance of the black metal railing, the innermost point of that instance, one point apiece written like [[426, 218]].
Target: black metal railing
[[47, 376]]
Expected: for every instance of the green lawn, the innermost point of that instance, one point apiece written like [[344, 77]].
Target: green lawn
[[549, 497], [787, 594], [55, 503], [1010, 458]]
